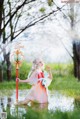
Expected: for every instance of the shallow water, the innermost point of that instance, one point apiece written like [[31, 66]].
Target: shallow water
[[57, 101]]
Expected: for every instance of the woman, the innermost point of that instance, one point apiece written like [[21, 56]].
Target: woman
[[39, 80]]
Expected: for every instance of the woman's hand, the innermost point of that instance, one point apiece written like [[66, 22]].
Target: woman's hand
[[48, 68], [17, 79]]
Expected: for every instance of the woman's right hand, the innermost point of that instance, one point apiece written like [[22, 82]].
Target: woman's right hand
[[17, 79]]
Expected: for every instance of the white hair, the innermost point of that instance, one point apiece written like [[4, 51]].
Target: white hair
[[35, 65]]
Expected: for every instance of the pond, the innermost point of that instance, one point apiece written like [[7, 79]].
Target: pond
[[57, 101]]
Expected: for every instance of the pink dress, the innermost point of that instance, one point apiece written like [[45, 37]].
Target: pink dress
[[38, 92]]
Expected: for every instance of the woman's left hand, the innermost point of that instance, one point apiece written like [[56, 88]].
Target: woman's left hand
[[48, 68]]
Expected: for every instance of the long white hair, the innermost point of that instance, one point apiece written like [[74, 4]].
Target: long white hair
[[35, 65]]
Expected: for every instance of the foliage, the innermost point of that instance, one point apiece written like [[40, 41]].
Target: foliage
[[61, 70], [45, 114], [23, 70], [42, 9], [50, 2], [63, 79]]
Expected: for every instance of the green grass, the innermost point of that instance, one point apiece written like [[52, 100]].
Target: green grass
[[53, 115], [44, 114], [64, 84], [12, 85], [63, 79], [23, 70]]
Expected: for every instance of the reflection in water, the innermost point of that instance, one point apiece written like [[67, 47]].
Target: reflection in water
[[56, 102], [60, 102]]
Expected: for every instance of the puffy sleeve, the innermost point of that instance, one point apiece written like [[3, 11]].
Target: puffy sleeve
[[46, 80], [33, 79]]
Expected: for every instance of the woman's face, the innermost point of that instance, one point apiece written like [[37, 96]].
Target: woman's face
[[41, 64]]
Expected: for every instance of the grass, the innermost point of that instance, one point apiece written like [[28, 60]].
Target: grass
[[67, 85], [54, 115], [12, 84], [44, 114], [63, 79], [64, 84]]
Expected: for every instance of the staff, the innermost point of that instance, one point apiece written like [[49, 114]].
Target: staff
[[17, 75], [18, 54]]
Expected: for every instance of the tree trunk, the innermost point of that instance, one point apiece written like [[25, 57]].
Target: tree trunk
[[79, 71], [76, 59], [1, 73], [72, 16], [8, 63], [1, 10]]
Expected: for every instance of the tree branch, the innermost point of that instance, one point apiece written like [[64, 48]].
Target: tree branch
[[17, 9], [40, 19], [32, 24]]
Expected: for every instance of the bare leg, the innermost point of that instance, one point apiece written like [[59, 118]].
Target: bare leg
[[24, 102]]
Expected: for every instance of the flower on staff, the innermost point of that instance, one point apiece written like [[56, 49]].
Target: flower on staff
[[18, 57]]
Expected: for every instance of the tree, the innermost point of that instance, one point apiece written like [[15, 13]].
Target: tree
[[72, 18], [1, 11], [11, 27]]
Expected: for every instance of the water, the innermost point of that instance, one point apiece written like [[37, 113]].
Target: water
[[57, 101]]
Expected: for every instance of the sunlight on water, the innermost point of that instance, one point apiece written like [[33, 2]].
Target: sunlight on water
[[60, 102]]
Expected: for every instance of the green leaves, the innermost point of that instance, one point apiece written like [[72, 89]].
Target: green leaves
[[42, 10], [50, 2]]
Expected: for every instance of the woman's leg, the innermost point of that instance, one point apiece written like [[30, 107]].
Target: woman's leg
[[24, 102]]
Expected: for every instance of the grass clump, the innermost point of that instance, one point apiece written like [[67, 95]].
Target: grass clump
[[45, 114]]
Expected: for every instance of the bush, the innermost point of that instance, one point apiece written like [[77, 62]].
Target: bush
[[23, 70], [58, 70]]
